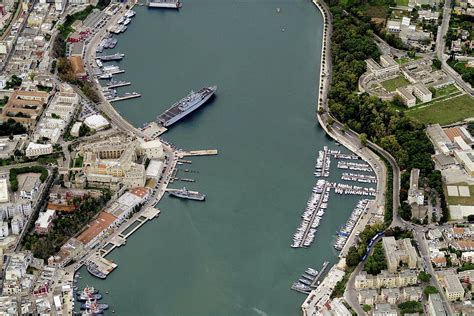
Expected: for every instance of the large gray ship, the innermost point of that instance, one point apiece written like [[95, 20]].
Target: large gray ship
[[190, 195], [185, 106]]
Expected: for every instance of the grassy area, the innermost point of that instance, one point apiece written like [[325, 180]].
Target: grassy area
[[462, 200], [445, 91], [445, 111], [393, 84], [78, 162], [405, 60], [402, 2], [376, 11]]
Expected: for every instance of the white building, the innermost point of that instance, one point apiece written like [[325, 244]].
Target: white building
[[35, 149], [154, 169], [28, 184], [422, 93], [18, 221], [96, 122], [4, 231], [3, 191], [75, 129], [44, 222], [405, 94], [435, 305], [152, 149]]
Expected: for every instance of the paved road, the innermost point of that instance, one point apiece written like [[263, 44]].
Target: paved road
[[440, 49]]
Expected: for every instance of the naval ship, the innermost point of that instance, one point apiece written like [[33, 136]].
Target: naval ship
[[185, 194], [185, 106]]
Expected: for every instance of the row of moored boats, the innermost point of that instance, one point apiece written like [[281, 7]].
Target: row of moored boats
[[358, 177], [342, 188], [312, 215], [306, 281], [356, 166], [345, 232]]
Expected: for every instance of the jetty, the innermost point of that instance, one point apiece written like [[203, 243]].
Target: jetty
[[119, 84], [117, 56], [323, 268], [207, 152], [127, 230], [125, 97]]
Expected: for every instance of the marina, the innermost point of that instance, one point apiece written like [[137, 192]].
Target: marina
[[354, 166], [312, 215], [309, 279], [323, 163], [345, 232], [364, 178]]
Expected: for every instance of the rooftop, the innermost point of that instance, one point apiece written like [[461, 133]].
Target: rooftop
[[101, 223]]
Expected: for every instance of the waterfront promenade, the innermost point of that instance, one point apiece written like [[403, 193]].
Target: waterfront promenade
[[350, 140]]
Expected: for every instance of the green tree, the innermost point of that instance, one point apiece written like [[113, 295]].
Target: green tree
[[424, 277], [430, 289], [363, 139]]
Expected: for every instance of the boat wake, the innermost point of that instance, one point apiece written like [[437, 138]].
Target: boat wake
[[260, 312]]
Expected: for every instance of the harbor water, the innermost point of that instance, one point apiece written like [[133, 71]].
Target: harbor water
[[229, 255]]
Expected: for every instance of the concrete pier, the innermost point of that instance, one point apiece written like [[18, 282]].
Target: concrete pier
[[207, 152]]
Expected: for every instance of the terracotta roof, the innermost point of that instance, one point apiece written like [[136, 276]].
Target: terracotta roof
[[452, 132], [458, 230], [139, 191], [97, 226], [439, 260]]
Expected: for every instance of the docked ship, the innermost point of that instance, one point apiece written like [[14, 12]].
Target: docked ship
[[190, 195], [116, 56], [93, 269], [88, 293], [167, 4], [94, 305], [185, 106]]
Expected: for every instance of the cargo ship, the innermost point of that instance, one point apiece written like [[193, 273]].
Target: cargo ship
[[185, 106], [166, 4], [190, 195]]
